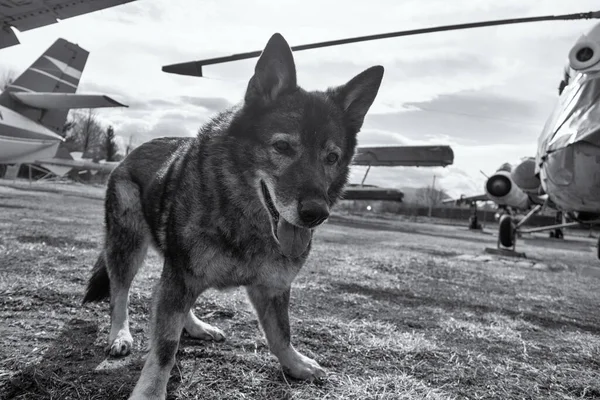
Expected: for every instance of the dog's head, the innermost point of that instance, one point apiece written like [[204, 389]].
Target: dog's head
[[301, 143]]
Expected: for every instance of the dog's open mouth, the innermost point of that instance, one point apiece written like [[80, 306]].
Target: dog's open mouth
[[270, 206], [293, 240]]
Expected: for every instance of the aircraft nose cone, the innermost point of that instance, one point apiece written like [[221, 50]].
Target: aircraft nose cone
[[498, 186]]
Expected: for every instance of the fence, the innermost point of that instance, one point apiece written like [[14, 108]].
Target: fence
[[442, 212]]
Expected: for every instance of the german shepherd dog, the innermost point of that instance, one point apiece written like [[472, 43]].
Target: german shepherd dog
[[235, 206]]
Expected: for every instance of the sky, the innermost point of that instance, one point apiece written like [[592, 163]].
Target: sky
[[486, 92]]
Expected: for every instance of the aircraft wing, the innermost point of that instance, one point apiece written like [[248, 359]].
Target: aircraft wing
[[26, 15], [61, 162], [467, 199], [410, 156], [372, 193], [64, 100]]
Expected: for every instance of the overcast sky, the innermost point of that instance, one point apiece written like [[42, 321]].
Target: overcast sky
[[486, 92]]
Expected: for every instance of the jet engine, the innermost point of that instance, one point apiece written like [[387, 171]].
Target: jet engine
[[523, 175], [584, 56], [502, 190]]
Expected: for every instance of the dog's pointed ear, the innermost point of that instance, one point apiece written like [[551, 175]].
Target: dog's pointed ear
[[274, 74], [356, 97]]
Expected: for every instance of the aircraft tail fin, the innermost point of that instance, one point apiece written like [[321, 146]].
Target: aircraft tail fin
[[57, 70]]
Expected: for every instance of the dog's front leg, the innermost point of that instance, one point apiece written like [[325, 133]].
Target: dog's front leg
[[272, 309], [173, 300]]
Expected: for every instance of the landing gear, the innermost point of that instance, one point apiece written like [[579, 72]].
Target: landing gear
[[598, 248], [507, 232], [473, 220], [558, 232]]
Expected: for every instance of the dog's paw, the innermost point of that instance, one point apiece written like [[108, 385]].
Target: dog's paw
[[121, 346], [301, 367], [203, 331]]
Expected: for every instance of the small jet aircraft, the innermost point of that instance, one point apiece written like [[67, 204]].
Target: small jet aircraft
[[34, 109], [510, 196], [27, 15]]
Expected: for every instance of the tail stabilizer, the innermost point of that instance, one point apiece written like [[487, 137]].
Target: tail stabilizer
[[57, 70]]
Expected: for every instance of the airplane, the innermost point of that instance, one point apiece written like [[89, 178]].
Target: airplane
[[510, 196], [34, 109], [564, 174], [27, 15], [394, 156]]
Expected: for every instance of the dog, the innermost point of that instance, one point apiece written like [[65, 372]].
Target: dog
[[236, 205]]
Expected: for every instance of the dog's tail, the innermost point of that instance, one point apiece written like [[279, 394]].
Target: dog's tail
[[98, 287]]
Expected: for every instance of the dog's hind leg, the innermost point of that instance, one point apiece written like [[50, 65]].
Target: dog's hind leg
[[126, 245], [175, 295], [201, 330]]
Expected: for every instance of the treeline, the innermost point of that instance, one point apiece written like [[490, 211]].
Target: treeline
[[84, 133]]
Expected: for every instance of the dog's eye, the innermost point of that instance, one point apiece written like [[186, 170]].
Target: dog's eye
[[332, 158], [281, 146]]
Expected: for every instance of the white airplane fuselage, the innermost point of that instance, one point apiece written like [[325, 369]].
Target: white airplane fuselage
[[568, 159], [571, 177], [23, 140]]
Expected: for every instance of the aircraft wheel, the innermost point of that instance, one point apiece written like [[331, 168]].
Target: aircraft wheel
[[506, 231]]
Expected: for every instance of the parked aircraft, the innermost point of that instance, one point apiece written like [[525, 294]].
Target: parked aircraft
[[511, 197], [27, 15], [34, 108]]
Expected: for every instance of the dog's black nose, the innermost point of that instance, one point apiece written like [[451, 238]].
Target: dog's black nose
[[313, 212]]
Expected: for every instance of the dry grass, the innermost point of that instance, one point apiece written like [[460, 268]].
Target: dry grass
[[396, 313]]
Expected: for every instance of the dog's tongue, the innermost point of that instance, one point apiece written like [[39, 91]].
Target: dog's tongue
[[292, 239]]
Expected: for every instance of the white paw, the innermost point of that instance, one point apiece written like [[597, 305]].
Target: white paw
[[299, 366], [203, 331], [121, 346]]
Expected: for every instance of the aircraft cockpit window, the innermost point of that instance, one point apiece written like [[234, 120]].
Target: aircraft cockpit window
[[505, 167]]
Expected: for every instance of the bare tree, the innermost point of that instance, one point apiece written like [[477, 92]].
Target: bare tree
[[429, 196], [84, 133], [110, 145]]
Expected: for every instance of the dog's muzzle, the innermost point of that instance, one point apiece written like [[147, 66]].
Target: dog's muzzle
[[293, 240]]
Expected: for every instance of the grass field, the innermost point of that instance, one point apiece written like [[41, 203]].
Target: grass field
[[392, 309]]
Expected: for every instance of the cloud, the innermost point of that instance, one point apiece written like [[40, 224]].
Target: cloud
[[486, 91], [466, 117], [213, 104]]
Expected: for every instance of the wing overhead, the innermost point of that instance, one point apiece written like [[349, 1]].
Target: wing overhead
[[410, 156], [64, 100], [27, 14], [467, 199], [352, 192]]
